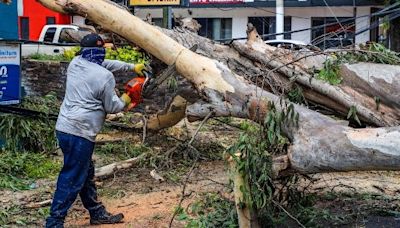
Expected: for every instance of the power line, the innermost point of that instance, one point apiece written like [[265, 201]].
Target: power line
[[334, 15], [384, 11], [273, 12]]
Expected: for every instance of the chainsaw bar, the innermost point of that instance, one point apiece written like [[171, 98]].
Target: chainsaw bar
[[163, 76]]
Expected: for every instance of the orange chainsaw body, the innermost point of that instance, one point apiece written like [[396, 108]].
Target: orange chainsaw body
[[134, 90]]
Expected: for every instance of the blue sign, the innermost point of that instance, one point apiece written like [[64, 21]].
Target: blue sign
[[10, 73], [9, 20]]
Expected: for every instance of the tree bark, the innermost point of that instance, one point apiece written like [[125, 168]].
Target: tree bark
[[280, 69], [320, 144], [341, 97]]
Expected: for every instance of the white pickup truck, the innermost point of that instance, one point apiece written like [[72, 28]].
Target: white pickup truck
[[50, 41]]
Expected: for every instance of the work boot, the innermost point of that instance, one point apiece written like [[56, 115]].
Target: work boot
[[54, 223], [106, 218]]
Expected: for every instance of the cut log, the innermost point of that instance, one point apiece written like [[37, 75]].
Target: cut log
[[320, 144], [168, 118], [110, 169]]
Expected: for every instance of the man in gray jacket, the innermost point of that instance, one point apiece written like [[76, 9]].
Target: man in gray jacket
[[89, 96]]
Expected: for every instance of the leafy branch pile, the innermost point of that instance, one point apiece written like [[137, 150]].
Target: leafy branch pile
[[23, 133], [371, 53], [211, 211], [256, 146], [27, 144]]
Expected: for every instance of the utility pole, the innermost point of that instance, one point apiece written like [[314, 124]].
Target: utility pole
[[355, 21], [167, 17], [280, 18]]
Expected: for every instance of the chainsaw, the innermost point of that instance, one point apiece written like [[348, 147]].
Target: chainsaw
[[134, 88], [143, 86]]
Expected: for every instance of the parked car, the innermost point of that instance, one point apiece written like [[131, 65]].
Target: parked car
[[50, 42], [292, 44], [288, 44]]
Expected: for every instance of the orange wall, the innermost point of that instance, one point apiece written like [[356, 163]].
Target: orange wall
[[37, 17]]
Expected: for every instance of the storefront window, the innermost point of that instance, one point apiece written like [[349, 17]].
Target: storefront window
[[334, 35], [215, 28], [267, 25]]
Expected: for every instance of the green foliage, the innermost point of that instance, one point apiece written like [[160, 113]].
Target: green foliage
[[257, 146], [19, 169], [330, 72], [69, 54], [210, 211], [172, 84], [23, 133], [16, 216], [47, 57], [372, 53], [126, 54], [296, 95], [352, 114], [112, 152], [377, 102]]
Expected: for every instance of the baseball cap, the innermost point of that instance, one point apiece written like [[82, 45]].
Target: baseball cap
[[92, 40]]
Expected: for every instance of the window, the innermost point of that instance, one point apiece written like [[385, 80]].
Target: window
[[378, 34], [49, 35], [215, 28], [24, 21], [157, 21], [332, 34], [50, 20], [267, 25]]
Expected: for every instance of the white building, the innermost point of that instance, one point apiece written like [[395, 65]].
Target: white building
[[229, 20]]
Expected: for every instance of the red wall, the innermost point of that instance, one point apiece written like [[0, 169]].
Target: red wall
[[37, 17]]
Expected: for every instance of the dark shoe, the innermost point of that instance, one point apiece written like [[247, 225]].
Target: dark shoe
[[54, 223], [106, 218]]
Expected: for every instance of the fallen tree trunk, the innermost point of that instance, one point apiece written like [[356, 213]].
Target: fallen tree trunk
[[342, 97], [282, 68], [320, 144]]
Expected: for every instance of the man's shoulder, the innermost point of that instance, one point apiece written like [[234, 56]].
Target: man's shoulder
[[91, 67]]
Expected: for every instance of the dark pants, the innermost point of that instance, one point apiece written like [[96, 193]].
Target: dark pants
[[76, 177]]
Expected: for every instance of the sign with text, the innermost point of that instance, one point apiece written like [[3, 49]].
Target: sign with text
[[155, 2], [207, 2], [10, 73]]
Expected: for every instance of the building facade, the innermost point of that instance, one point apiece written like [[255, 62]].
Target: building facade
[[34, 16], [317, 19]]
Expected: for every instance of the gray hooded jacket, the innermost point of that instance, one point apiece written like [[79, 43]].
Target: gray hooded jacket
[[89, 95]]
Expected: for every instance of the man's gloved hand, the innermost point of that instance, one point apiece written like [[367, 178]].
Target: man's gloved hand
[[140, 67], [125, 97], [129, 104]]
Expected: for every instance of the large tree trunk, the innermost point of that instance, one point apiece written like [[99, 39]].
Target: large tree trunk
[[280, 68], [342, 97], [320, 143]]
